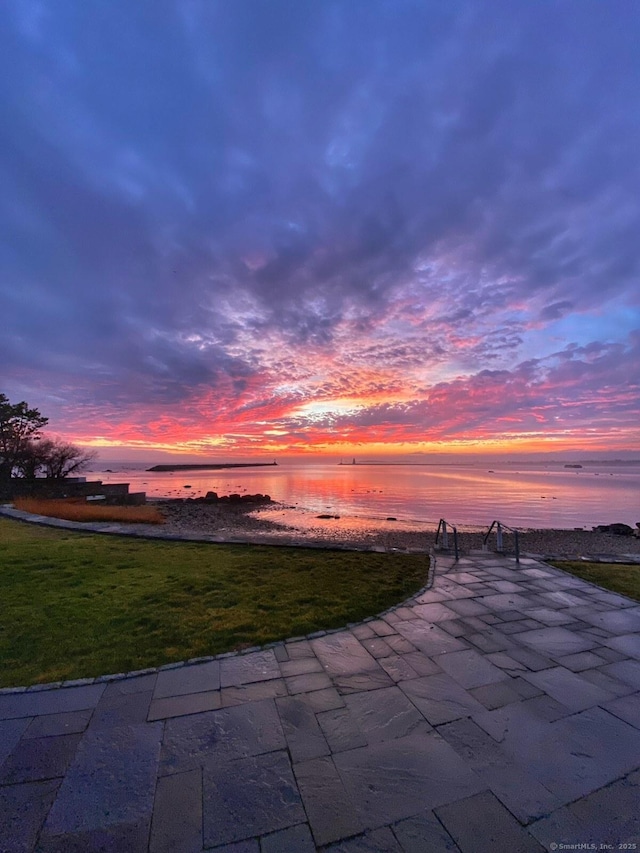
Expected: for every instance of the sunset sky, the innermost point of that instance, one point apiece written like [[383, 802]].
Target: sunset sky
[[355, 227]]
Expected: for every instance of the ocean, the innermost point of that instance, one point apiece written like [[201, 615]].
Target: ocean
[[534, 496]]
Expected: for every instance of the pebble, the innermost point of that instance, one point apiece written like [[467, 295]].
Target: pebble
[[237, 520]]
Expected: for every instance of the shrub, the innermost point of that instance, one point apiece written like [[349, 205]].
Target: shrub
[[76, 509]]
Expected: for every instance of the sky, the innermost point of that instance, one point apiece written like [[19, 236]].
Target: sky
[[347, 227]]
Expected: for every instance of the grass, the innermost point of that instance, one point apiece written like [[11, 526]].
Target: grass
[[76, 509], [618, 577], [75, 605]]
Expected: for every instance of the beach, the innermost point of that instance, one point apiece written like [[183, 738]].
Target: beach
[[276, 524]]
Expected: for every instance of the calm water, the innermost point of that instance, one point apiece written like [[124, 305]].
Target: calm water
[[522, 496]]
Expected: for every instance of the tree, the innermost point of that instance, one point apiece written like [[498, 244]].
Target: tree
[[59, 459], [32, 459], [20, 428], [25, 452]]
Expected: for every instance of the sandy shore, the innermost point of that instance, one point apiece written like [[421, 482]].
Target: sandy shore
[[279, 524]]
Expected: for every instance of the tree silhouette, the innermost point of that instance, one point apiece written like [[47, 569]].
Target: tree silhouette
[[20, 428]]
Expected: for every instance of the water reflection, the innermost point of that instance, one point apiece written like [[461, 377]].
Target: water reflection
[[534, 497]]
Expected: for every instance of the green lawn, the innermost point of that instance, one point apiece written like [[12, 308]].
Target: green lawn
[[622, 578], [75, 605]]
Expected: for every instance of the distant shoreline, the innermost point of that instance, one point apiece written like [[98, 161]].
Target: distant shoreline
[[211, 467]]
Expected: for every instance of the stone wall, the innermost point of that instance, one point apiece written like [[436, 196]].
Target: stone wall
[[114, 493]]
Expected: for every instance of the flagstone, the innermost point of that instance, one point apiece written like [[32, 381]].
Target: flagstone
[[222, 735], [341, 730], [608, 817], [64, 699], [385, 714], [627, 708], [296, 839], [429, 639], [111, 782], [424, 832], [33, 759], [343, 654], [571, 757], [245, 669], [440, 698], [398, 778], [435, 612], [177, 814], [568, 688], [23, 809], [556, 641], [628, 645], [248, 797], [483, 825], [615, 621], [469, 668], [330, 808], [301, 730], [10, 733], [624, 670]]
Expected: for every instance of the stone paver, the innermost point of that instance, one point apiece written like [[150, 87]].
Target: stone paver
[[187, 679], [608, 819], [177, 814], [556, 641], [424, 832], [469, 668], [39, 758], [296, 839], [481, 824], [10, 733], [497, 710], [568, 688], [23, 809], [248, 797], [300, 725], [331, 811], [222, 735], [440, 698], [511, 783], [396, 779], [110, 784]]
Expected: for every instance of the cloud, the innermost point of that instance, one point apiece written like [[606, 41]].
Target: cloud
[[212, 201]]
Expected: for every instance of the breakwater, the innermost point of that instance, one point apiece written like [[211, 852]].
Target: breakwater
[[211, 467]]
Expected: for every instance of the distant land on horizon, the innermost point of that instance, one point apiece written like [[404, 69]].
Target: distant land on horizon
[[148, 464]]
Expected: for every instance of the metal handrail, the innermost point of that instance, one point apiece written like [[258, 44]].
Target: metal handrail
[[443, 525], [499, 528]]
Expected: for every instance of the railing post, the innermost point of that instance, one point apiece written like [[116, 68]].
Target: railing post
[[499, 542], [443, 527]]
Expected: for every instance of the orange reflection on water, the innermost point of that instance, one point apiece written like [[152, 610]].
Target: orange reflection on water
[[522, 496]]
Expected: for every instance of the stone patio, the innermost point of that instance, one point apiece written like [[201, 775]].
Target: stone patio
[[498, 711]]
